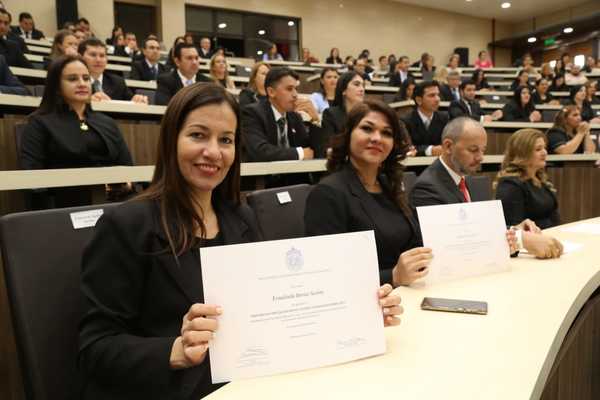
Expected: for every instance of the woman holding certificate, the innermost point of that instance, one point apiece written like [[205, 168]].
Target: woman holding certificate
[[145, 331], [365, 192]]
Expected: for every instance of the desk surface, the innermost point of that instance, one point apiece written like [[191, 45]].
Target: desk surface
[[506, 354]]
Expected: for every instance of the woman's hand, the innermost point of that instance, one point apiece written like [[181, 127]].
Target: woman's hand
[[197, 329], [535, 116], [412, 265], [390, 305], [583, 128], [511, 238]]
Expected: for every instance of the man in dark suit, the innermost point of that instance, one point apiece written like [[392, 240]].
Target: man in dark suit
[[26, 28], [401, 72], [467, 106], [105, 86], [425, 124], [204, 51], [11, 45], [271, 130], [451, 91], [9, 83], [185, 74], [131, 47], [149, 68], [447, 180]]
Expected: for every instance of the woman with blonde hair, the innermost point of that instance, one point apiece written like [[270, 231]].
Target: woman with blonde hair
[[441, 76], [522, 184], [218, 71], [255, 90]]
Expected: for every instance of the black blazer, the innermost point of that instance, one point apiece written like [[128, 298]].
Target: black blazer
[[169, 83], [141, 71], [331, 60], [13, 54], [422, 137], [435, 186], [446, 93], [249, 96], [202, 54], [512, 112], [522, 199], [332, 123], [340, 204], [35, 34], [19, 41], [259, 134], [395, 79], [460, 109], [537, 99], [8, 82], [115, 87], [55, 141], [136, 293]]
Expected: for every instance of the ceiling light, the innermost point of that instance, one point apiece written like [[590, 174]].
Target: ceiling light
[[262, 32], [468, 1], [568, 29], [505, 5], [291, 23], [222, 25], [532, 39], [260, 52]]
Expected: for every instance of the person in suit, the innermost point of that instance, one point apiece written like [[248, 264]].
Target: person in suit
[[255, 91], [218, 71], [8, 33], [364, 191], [401, 72], [205, 48], [65, 43], [271, 129], [360, 67], [451, 91], [425, 123], [11, 47], [105, 86], [149, 68], [578, 98], [520, 107], [407, 89], [522, 183], [467, 106], [569, 134], [541, 94], [349, 91], [185, 74], [447, 181], [334, 56], [26, 28], [9, 83], [131, 48]]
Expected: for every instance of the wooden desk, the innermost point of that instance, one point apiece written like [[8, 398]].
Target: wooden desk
[[508, 354], [34, 58], [39, 49], [39, 42]]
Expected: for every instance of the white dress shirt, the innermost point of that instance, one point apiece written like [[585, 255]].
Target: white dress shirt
[[278, 116]]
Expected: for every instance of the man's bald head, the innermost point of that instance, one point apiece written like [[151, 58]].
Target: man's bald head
[[464, 141]]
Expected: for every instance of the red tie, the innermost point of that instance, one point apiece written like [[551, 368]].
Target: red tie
[[462, 186]]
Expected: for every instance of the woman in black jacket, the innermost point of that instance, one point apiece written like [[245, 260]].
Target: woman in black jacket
[[521, 107], [255, 90]]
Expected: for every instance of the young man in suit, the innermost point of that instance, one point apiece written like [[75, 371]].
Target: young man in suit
[[425, 124], [11, 45], [447, 181], [467, 106], [186, 74], [205, 51], [105, 86], [149, 68], [451, 91], [401, 72], [26, 28], [271, 129], [131, 47]]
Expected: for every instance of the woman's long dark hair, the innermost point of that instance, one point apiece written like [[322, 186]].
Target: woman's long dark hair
[[529, 107], [402, 94], [321, 86], [342, 84], [391, 167], [178, 214]]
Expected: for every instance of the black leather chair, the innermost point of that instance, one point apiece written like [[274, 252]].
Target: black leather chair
[[277, 219], [41, 254], [480, 187]]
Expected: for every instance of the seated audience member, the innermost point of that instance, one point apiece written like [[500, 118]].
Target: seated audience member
[[271, 129], [218, 71], [149, 68], [546, 72], [591, 88], [566, 62], [425, 123], [454, 64], [590, 65], [10, 84], [559, 68], [521, 108], [112, 40], [483, 61], [84, 25], [440, 76], [360, 66], [451, 90], [105, 86], [11, 50], [383, 68], [392, 62], [272, 54], [15, 37], [558, 84], [307, 57], [349, 91], [527, 64], [578, 97], [171, 58], [349, 63], [427, 64], [480, 80], [522, 183], [205, 50], [541, 95], [185, 74], [575, 76], [522, 79], [26, 28], [334, 57], [446, 181], [188, 38], [326, 94], [255, 91], [131, 48], [81, 36], [364, 191], [64, 44], [569, 134], [68, 25], [406, 90], [467, 106], [401, 72]]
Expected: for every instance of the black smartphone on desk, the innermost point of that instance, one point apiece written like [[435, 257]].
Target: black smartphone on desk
[[454, 305]]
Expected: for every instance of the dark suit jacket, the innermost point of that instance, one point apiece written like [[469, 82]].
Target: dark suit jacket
[[141, 71], [396, 81], [19, 41], [8, 82], [259, 134], [422, 137], [169, 83], [115, 87], [136, 293], [435, 186], [13, 55], [205, 55], [35, 34], [55, 141], [513, 113], [446, 93], [332, 123], [460, 109], [249, 96], [340, 204]]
